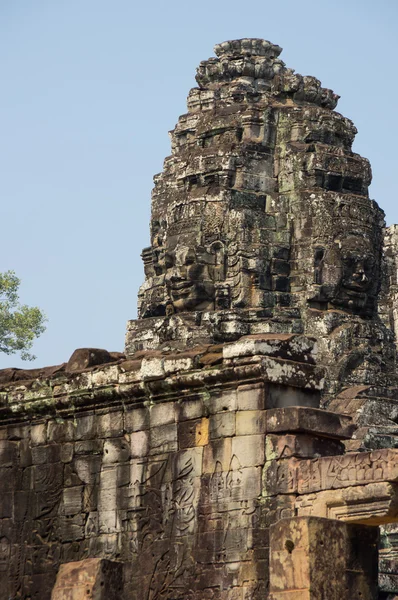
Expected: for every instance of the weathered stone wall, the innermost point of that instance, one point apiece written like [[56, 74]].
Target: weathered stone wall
[[389, 293], [158, 462]]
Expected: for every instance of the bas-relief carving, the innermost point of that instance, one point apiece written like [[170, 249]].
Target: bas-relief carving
[[335, 472], [164, 509], [5, 552]]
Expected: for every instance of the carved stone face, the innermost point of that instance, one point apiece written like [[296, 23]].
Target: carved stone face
[[188, 280], [357, 269], [358, 277], [348, 274], [183, 276]]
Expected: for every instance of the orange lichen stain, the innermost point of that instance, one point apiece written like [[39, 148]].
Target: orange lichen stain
[[202, 432]]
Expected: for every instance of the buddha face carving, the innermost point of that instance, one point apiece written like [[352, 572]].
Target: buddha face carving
[[358, 277], [180, 278], [358, 265], [188, 279], [348, 275]]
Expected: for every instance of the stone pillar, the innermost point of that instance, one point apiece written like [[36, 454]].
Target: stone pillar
[[90, 579], [313, 558]]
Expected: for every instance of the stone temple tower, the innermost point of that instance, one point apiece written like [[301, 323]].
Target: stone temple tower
[[245, 444], [236, 225], [261, 220]]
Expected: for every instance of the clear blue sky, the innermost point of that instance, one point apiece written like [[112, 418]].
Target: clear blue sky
[[90, 89]]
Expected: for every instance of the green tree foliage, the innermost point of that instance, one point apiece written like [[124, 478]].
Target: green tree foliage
[[19, 324]]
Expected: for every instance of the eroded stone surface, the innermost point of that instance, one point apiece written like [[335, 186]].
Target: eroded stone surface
[[89, 579], [313, 558], [309, 420]]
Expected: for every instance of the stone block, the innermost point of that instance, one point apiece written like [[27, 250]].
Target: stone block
[[89, 579], [284, 395], [337, 472], [108, 521], [83, 358], [16, 432], [86, 427], [136, 419], [8, 453], [91, 528], [295, 419], [249, 450], [218, 451], [163, 438], [7, 504], [193, 433], [108, 478], [226, 400], [191, 409], [139, 443], [188, 463], [87, 468], [60, 431], [152, 369], [251, 397], [46, 454], [388, 578], [330, 473], [72, 500], [90, 498], [25, 453], [226, 489], [290, 347], [162, 414], [89, 447], [372, 504], [250, 422], [273, 509], [44, 505], [38, 434], [222, 425], [110, 424], [40, 584], [243, 484], [300, 445], [48, 477], [22, 505], [177, 364], [313, 558], [123, 473]]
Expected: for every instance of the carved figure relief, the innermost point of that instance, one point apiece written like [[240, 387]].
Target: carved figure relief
[[5, 550]]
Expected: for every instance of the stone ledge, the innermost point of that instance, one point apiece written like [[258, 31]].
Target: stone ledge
[[295, 476], [318, 422], [291, 347], [372, 504], [146, 380]]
